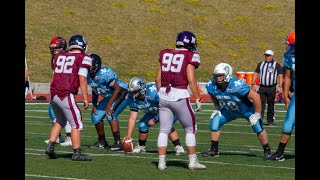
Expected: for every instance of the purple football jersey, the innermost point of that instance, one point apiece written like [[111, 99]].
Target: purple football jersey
[[66, 67], [174, 64]]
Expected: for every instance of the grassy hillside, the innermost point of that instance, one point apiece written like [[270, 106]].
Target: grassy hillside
[[128, 34]]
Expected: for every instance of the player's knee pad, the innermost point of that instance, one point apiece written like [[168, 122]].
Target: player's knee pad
[[143, 127], [95, 118], [258, 127], [162, 139], [190, 139], [68, 127], [287, 128], [215, 124]]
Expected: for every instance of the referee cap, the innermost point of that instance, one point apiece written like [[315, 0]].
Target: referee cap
[[269, 52]]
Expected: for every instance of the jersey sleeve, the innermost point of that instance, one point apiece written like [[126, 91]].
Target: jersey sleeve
[[241, 87], [108, 76], [86, 62], [209, 88], [195, 60], [152, 92]]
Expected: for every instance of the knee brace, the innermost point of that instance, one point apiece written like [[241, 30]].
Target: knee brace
[[143, 128]]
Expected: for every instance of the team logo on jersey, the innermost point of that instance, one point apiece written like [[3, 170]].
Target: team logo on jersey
[[153, 88], [229, 90], [237, 83], [103, 71]]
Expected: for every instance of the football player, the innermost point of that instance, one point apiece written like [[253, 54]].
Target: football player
[[144, 97], [105, 82], [58, 44], [289, 81], [70, 73], [175, 73], [233, 98]]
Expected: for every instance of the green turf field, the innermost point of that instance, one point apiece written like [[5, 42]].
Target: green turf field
[[241, 154]]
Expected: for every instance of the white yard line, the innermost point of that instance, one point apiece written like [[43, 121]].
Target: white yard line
[[168, 159]]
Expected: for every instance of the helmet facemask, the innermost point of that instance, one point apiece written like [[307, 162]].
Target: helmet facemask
[[93, 70], [222, 73], [57, 45], [96, 65]]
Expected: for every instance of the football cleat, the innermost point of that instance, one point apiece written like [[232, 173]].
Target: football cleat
[[210, 153], [80, 157], [100, 145], [277, 156], [116, 147], [50, 152], [162, 165], [194, 165], [67, 142], [58, 141], [139, 149], [267, 154], [179, 150]]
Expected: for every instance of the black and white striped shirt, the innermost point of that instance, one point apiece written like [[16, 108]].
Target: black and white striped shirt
[[268, 72]]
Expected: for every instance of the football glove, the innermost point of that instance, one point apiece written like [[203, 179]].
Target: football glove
[[254, 118], [214, 113], [198, 103]]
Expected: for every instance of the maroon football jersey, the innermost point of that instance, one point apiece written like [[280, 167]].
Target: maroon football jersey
[[174, 64], [65, 68]]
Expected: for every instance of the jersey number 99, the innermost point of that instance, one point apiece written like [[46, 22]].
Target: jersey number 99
[[172, 62]]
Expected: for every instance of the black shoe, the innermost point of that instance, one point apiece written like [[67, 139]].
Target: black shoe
[[116, 147], [210, 153], [267, 154], [270, 121], [80, 157], [51, 154], [277, 156], [100, 145]]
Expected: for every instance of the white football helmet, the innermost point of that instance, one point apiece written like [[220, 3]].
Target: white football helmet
[[223, 69], [137, 86]]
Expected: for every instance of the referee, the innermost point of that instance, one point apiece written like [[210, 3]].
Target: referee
[[271, 79]]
